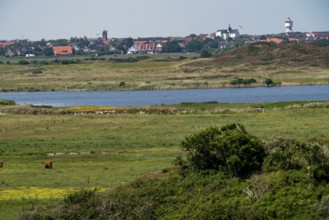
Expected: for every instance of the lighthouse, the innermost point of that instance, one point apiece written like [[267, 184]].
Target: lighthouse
[[288, 24]]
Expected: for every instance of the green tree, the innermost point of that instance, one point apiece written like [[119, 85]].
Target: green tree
[[194, 46], [125, 44], [236, 81], [48, 51], [193, 36], [229, 149], [60, 42], [172, 47], [2, 51], [268, 82], [23, 62], [205, 53]]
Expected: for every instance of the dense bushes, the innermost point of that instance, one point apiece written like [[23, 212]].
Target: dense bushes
[[37, 71], [227, 174], [293, 155], [129, 59], [23, 62], [240, 81], [7, 102], [229, 149], [85, 204]]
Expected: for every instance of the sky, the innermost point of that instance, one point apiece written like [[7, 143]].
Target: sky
[[55, 19]]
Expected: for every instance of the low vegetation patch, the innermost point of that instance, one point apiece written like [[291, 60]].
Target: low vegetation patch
[[262, 53], [129, 59], [7, 102], [226, 174]]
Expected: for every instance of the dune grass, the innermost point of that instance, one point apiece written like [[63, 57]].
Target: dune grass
[[152, 73]]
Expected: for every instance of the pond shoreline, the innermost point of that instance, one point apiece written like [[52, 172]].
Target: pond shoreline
[[168, 97], [169, 88]]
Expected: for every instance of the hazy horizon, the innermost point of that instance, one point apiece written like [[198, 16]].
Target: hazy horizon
[[35, 20]]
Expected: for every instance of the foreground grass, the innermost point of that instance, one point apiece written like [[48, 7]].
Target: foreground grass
[[104, 151]]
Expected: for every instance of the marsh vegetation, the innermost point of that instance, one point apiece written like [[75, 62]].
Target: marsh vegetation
[[92, 150]]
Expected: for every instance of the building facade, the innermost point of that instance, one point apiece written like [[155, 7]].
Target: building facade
[[227, 34]]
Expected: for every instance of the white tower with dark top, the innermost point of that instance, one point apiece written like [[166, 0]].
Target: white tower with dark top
[[288, 24]]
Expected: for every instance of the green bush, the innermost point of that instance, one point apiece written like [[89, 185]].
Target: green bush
[[23, 62], [43, 62], [67, 62], [322, 207], [268, 82], [230, 149], [7, 102], [79, 197], [84, 204], [294, 155], [205, 53], [37, 71], [122, 84], [240, 81]]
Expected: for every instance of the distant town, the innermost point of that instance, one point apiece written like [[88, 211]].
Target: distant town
[[218, 41]]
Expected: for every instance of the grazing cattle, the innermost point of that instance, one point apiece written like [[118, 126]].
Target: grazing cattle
[[48, 164]]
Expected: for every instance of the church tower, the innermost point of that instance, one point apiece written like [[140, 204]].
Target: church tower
[[104, 36]]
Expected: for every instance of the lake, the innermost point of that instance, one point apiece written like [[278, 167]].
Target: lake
[[158, 97]]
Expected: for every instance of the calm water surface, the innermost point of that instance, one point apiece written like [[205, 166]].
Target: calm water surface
[[158, 97]]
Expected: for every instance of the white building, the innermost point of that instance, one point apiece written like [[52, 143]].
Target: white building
[[229, 33], [288, 24]]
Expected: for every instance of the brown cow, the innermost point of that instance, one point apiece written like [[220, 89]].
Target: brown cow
[[48, 164]]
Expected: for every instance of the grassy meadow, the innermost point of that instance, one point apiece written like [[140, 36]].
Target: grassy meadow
[[90, 150], [158, 71]]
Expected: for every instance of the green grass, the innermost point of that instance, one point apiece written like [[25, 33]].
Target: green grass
[[104, 151]]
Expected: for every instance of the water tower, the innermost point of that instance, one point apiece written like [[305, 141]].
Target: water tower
[[288, 24]]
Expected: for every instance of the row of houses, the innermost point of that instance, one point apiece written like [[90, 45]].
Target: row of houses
[[149, 45], [317, 35]]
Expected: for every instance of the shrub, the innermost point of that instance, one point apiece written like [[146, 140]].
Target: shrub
[[268, 82], [23, 62], [79, 205], [205, 53], [7, 102], [67, 62], [80, 197], [322, 207], [240, 81], [44, 62], [229, 149], [293, 155], [37, 71]]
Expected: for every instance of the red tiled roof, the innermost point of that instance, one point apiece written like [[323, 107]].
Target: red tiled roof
[[275, 40], [4, 44], [62, 50], [293, 39]]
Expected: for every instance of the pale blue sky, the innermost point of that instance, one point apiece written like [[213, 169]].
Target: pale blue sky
[[53, 19]]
